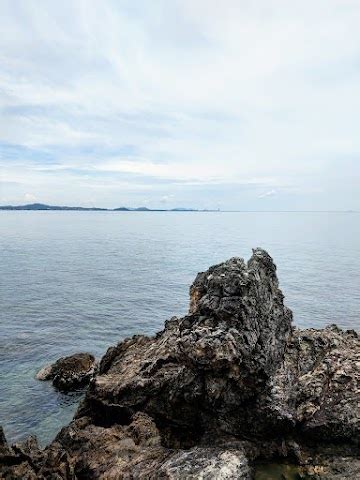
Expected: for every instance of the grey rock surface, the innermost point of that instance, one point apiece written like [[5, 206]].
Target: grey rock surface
[[207, 464], [205, 370], [318, 385]]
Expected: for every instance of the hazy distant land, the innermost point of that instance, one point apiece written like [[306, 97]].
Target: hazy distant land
[[42, 206]]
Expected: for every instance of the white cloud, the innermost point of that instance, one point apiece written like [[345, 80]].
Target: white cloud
[[264, 94], [29, 197], [270, 193]]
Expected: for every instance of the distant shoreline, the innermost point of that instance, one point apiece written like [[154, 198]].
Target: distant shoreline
[[44, 207], [37, 207]]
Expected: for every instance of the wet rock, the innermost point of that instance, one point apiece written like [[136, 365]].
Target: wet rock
[[69, 373], [45, 373]]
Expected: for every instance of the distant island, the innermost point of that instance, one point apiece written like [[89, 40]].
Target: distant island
[[42, 206]]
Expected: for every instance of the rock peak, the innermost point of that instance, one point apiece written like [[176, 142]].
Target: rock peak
[[243, 298]]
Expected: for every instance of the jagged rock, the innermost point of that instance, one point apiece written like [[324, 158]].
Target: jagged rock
[[207, 464], [228, 385], [18, 461], [246, 302], [134, 451], [69, 373], [334, 468], [205, 370], [4, 448], [318, 384]]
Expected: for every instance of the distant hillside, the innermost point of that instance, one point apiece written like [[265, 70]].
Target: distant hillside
[[146, 209], [42, 206]]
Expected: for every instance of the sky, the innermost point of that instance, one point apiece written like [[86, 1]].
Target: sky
[[246, 105]]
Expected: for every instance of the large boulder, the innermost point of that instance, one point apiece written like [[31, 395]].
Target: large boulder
[[202, 371], [69, 373]]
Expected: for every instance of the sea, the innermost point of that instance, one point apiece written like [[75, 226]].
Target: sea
[[83, 281]]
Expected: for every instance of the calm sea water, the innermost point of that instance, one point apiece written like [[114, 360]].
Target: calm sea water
[[82, 281]]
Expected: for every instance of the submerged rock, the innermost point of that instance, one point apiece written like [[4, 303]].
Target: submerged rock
[[69, 373], [227, 386]]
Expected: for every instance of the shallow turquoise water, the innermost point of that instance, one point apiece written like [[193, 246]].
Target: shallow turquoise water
[[75, 281]]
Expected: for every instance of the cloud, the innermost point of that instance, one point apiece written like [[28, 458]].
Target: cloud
[[29, 197], [127, 98], [270, 193], [166, 198]]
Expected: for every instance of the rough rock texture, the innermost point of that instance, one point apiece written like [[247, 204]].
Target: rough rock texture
[[203, 371], [244, 301], [229, 385], [69, 373], [318, 385], [17, 462], [85, 451], [206, 463]]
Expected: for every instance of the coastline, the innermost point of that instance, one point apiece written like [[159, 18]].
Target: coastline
[[214, 389]]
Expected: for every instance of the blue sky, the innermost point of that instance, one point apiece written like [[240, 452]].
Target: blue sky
[[177, 103]]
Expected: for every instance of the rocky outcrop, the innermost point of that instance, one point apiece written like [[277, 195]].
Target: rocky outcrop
[[203, 371], [69, 373], [317, 386], [18, 461], [229, 385]]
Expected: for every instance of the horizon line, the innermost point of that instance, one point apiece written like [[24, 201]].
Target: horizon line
[[47, 207]]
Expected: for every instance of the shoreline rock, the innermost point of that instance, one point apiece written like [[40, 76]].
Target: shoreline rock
[[230, 385], [69, 373]]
